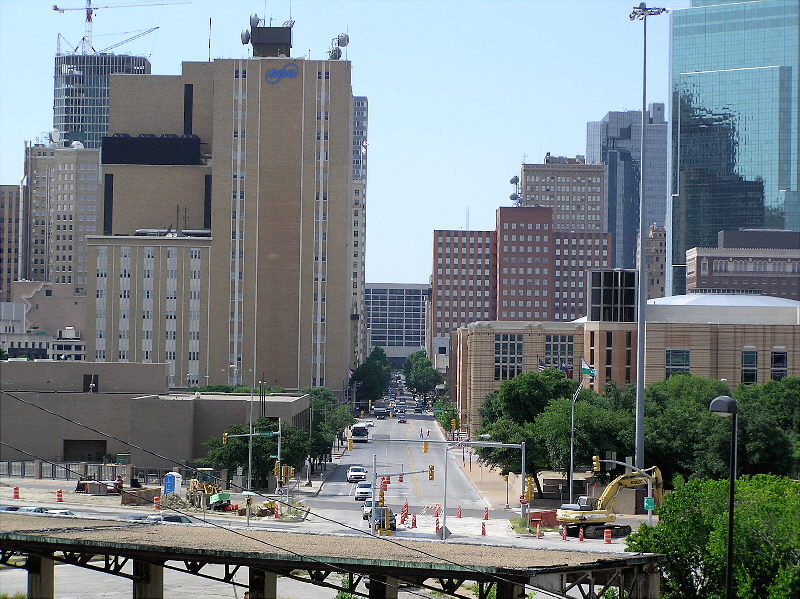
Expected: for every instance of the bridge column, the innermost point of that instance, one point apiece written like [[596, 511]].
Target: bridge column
[[41, 577], [509, 590], [263, 584], [382, 587], [149, 581]]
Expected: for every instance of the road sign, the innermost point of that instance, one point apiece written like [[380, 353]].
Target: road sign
[[274, 457], [239, 470], [649, 503], [437, 410]]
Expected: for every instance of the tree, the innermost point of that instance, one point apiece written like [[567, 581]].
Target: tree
[[424, 377], [328, 420], [599, 427], [447, 413], [3, 354], [408, 363], [294, 448], [373, 376], [692, 533]]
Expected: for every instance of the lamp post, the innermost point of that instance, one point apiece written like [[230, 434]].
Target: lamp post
[[724, 405], [572, 436], [641, 13]]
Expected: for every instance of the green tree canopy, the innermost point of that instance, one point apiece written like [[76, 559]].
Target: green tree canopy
[[424, 377], [408, 363], [692, 533], [373, 376], [328, 419]]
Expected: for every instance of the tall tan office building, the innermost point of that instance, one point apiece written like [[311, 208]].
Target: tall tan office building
[[60, 209], [572, 188], [9, 238], [256, 154]]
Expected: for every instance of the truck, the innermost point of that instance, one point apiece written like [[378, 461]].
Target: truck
[[594, 514]]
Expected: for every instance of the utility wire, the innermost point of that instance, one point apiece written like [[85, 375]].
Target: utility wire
[[186, 466], [226, 528]]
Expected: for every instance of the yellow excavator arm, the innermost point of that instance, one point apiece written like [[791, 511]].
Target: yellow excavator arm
[[633, 479]]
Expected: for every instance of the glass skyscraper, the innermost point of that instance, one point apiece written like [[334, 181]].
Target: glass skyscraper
[[735, 122]]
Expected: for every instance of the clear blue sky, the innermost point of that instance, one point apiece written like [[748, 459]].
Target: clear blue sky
[[459, 90]]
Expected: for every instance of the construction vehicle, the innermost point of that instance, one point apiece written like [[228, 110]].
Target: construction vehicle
[[594, 514]]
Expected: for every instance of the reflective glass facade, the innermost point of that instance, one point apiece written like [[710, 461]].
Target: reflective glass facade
[[735, 122], [80, 98]]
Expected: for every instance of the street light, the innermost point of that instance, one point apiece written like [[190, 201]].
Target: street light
[[641, 13], [725, 405], [572, 436]]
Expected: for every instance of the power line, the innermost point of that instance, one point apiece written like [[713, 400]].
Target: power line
[[193, 469]]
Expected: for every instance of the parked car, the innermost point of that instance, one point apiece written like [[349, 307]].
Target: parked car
[[176, 518], [142, 517], [29, 509], [9, 508], [61, 512], [363, 490], [380, 518], [356, 473]]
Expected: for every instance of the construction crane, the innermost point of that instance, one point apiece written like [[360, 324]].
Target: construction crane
[[86, 42]]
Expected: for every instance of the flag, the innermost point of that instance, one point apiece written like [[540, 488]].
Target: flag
[[567, 369], [542, 365], [586, 369], [364, 145]]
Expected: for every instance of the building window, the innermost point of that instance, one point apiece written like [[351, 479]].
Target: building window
[[507, 356], [677, 362], [558, 352], [749, 366], [779, 365]]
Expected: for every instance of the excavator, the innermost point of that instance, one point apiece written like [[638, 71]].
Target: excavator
[[594, 514]]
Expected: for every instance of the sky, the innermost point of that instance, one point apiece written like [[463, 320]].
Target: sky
[[461, 92]]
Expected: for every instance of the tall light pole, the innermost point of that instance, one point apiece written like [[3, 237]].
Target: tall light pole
[[572, 436], [641, 13], [724, 405]]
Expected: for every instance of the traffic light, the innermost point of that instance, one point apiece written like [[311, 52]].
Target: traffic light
[[430, 472], [291, 471], [529, 489], [349, 445], [277, 469], [453, 424], [380, 498], [248, 500], [224, 438], [596, 463], [424, 447]]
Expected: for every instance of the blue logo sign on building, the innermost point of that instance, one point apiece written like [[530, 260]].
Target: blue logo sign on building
[[287, 71]]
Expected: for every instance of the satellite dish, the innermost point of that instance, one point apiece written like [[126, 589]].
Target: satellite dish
[[245, 37], [55, 136], [335, 53], [342, 40], [289, 23], [254, 20], [514, 180], [76, 145], [514, 197]]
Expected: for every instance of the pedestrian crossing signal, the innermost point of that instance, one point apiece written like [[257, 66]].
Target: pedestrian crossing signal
[[277, 469], [424, 447]]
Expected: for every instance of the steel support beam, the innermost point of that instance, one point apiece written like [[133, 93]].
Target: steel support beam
[[507, 589], [148, 582], [382, 587], [41, 577], [263, 584]]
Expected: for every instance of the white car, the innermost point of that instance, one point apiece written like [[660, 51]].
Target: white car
[[356, 473], [363, 491], [366, 510], [369, 422]]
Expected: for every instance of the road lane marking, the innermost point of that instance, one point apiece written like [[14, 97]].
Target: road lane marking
[[414, 484]]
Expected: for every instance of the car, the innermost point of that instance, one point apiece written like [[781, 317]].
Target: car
[[363, 490], [9, 508], [401, 419], [369, 422], [136, 517], [61, 512], [380, 518], [366, 510], [356, 473], [175, 518], [29, 509], [418, 410]]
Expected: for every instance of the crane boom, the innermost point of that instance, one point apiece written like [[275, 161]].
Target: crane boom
[[130, 39], [86, 42]]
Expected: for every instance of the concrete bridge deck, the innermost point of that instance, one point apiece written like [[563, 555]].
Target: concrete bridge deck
[[511, 570]]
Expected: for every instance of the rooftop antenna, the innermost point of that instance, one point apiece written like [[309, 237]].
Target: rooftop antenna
[[467, 226], [209, 39]]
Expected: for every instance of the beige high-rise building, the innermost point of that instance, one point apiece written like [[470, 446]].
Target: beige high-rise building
[[572, 188], [655, 251], [60, 209], [9, 238], [256, 155]]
